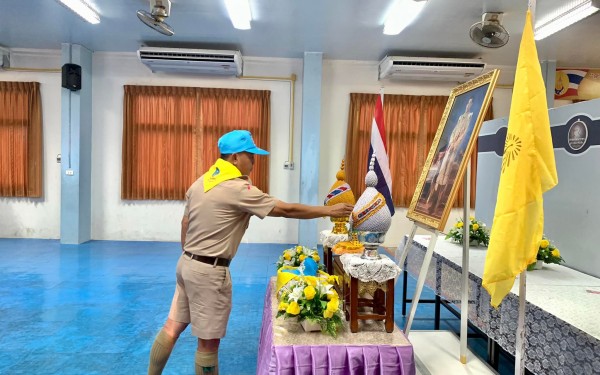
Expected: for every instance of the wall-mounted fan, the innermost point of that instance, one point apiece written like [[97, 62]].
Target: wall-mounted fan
[[159, 10], [489, 32]]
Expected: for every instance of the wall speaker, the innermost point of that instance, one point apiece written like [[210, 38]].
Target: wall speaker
[[71, 77]]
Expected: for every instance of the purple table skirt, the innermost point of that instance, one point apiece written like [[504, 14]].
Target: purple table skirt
[[328, 359]]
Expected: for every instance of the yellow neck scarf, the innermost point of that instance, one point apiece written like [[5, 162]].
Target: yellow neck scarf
[[220, 171]]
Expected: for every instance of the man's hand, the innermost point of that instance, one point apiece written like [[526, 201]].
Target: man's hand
[[340, 210]]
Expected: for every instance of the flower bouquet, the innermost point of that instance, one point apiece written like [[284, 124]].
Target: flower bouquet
[[547, 253], [313, 299], [294, 256], [478, 232]]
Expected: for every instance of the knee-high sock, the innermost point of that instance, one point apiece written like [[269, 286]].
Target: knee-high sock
[[207, 363], [161, 350]]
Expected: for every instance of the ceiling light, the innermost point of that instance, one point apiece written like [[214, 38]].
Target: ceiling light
[[239, 13], [565, 16], [83, 10], [401, 14]]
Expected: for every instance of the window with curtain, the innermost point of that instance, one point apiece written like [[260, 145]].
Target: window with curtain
[[170, 136], [20, 139], [410, 125]]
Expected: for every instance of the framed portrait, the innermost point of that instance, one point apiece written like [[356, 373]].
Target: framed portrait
[[450, 151]]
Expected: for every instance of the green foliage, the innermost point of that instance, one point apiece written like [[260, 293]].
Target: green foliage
[[477, 232]]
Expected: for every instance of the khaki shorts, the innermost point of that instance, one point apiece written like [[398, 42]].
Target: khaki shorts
[[202, 297]]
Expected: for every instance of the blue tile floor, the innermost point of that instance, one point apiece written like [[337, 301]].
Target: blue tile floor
[[95, 308]]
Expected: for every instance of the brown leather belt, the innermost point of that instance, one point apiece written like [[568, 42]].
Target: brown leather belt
[[209, 260]]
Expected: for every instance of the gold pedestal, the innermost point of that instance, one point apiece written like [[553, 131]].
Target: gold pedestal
[[352, 246], [339, 225]]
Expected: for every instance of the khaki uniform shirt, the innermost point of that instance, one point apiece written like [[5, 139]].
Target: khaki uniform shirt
[[218, 218]]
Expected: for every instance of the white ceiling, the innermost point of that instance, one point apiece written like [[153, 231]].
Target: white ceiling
[[341, 29]]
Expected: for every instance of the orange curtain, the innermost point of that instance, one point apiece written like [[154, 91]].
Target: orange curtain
[[410, 125], [159, 127], [170, 136], [20, 139], [223, 110]]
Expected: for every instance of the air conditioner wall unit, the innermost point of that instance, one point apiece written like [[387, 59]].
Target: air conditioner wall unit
[[428, 68], [193, 61]]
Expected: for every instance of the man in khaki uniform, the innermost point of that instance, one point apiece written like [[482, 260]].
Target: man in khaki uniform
[[217, 212]]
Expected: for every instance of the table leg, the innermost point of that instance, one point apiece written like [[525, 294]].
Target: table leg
[[353, 304], [328, 260], [437, 313], [404, 290], [389, 307]]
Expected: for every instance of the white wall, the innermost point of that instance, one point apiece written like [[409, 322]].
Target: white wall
[[114, 219], [39, 217]]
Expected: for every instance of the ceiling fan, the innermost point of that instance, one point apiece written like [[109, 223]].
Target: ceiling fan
[[159, 10], [489, 32]]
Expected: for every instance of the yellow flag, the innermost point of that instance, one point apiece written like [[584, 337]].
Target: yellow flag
[[528, 170]]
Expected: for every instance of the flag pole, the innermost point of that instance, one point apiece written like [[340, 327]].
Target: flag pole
[[464, 304], [520, 335], [520, 339]]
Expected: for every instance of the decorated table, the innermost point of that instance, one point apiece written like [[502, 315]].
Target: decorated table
[[562, 332], [284, 347]]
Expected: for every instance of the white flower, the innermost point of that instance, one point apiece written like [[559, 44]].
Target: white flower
[[324, 288], [296, 294]]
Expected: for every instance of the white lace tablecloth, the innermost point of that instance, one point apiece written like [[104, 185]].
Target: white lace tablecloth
[[378, 270], [329, 239]]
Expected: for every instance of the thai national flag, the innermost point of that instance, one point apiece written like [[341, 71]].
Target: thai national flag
[[382, 164]]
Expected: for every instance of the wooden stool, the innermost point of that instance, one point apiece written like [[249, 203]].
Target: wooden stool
[[382, 303]]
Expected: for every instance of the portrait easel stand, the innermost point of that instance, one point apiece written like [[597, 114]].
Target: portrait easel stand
[[464, 307]]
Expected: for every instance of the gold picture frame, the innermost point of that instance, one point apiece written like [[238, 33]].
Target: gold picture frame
[[450, 151]]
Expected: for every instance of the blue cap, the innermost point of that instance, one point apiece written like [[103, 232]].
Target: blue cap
[[239, 141]]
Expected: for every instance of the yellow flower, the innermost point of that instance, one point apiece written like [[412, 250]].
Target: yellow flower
[[299, 249], [555, 253], [302, 257], [459, 224], [309, 292], [293, 308], [327, 314], [287, 255], [333, 304], [333, 279], [282, 306], [544, 244], [472, 218], [316, 257], [333, 295], [311, 280], [475, 226]]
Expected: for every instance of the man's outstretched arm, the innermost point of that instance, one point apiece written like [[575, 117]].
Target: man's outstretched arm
[[303, 211]]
